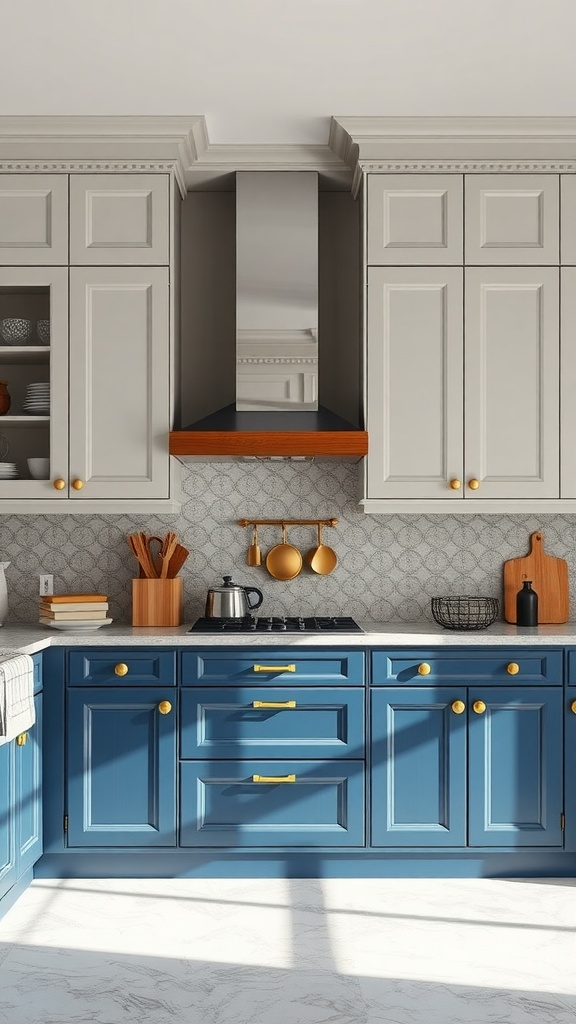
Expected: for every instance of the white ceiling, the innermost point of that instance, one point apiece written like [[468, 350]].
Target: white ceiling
[[265, 71]]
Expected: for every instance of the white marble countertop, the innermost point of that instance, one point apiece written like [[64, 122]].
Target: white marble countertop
[[33, 638]]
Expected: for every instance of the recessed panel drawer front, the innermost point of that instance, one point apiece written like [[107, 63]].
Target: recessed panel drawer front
[[264, 666], [519, 667], [571, 670], [128, 667], [272, 722], [271, 803]]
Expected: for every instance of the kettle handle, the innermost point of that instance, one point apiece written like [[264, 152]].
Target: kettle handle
[[258, 602]]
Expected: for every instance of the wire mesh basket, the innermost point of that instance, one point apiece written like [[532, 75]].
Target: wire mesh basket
[[465, 612]]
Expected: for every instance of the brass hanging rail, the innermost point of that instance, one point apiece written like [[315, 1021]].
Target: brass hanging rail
[[288, 522]]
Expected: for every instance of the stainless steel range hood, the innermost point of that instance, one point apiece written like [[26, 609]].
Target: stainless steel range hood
[[276, 413]]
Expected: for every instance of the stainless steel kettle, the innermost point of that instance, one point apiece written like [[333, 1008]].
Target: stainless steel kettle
[[231, 601]]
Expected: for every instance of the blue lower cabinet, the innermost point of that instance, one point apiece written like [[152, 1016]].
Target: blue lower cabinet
[[121, 767], [28, 771], [515, 767], [418, 795], [271, 803], [8, 874], [265, 722]]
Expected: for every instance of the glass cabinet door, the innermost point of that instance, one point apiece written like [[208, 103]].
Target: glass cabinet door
[[33, 382]]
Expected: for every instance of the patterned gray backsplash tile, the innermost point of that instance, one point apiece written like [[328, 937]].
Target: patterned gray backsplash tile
[[389, 566]]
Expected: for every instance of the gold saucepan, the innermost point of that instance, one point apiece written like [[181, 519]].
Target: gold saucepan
[[284, 561]]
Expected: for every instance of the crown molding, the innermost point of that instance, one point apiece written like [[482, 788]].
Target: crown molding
[[41, 144], [217, 164], [454, 144]]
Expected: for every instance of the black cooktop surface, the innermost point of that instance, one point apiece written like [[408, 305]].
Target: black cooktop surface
[[278, 624]]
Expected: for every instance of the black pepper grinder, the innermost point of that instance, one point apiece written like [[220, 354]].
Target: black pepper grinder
[[527, 605]]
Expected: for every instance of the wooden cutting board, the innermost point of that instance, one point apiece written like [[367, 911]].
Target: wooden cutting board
[[549, 579]]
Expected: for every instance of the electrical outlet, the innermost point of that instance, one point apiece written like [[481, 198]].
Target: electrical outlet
[[46, 585]]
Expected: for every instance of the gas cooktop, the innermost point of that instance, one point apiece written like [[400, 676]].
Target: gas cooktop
[[278, 624]]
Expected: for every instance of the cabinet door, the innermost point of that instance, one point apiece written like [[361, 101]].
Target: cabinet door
[[119, 382], [33, 219], [119, 219], [568, 382], [414, 219], [33, 431], [515, 767], [512, 382], [418, 767], [121, 785], [28, 758], [414, 374], [512, 219], [7, 795]]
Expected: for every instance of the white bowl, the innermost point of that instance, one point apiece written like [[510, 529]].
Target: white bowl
[[39, 468], [15, 331]]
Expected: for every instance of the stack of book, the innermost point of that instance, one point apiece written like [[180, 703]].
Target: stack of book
[[60, 610]]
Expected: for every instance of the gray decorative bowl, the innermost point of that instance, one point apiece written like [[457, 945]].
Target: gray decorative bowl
[[15, 331], [43, 331], [465, 612]]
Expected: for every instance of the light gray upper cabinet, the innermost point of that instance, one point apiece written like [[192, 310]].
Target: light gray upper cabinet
[[463, 362], [415, 219], [512, 219], [119, 219], [33, 220]]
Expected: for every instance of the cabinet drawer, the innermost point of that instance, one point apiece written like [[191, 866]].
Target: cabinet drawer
[[127, 667], [534, 667], [223, 804], [231, 723], [264, 666], [571, 668]]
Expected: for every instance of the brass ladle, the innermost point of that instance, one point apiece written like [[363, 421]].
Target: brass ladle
[[284, 561], [322, 559], [254, 556]]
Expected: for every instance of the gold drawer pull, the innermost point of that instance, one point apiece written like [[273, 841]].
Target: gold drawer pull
[[273, 778], [274, 668], [121, 669], [479, 707], [21, 739], [164, 707], [273, 703], [573, 707], [458, 707], [424, 669], [512, 669]]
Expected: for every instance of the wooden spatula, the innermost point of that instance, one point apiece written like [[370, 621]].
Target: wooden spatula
[[177, 561]]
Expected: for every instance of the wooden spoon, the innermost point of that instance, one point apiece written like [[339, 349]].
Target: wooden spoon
[[167, 550], [284, 561], [322, 559]]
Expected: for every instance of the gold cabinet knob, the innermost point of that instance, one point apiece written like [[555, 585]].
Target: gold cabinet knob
[[59, 484], [164, 707], [121, 669], [473, 484], [22, 739], [479, 707], [512, 669], [458, 707], [424, 669], [455, 485], [77, 484], [573, 707]]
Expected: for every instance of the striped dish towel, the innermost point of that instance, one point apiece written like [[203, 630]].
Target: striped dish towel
[[16, 695]]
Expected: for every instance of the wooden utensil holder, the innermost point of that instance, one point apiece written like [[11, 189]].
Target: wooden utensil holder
[[157, 602]]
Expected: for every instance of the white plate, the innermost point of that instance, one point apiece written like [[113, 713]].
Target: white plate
[[76, 626]]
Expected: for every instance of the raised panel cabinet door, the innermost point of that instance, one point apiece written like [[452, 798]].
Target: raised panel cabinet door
[[418, 787], [512, 383], [515, 767], [121, 772], [414, 389], [512, 219], [33, 219], [119, 219], [7, 816], [414, 219], [28, 762], [119, 382]]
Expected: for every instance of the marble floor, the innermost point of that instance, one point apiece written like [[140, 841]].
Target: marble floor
[[334, 951]]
